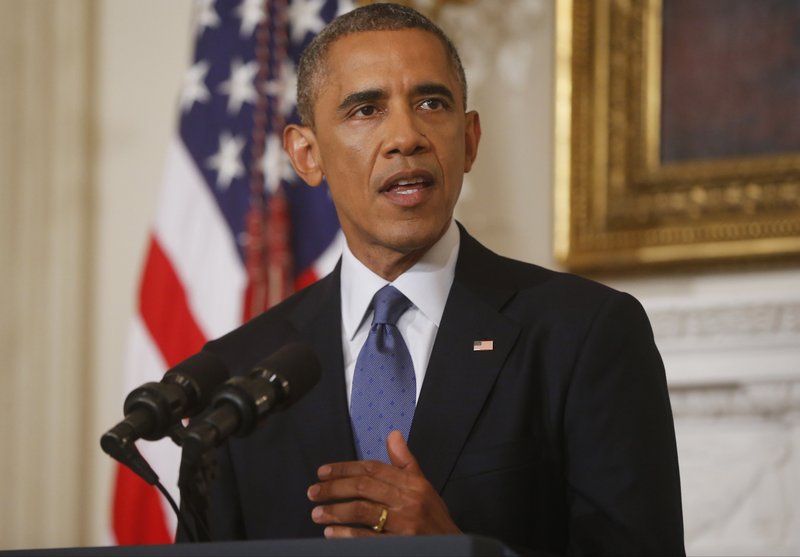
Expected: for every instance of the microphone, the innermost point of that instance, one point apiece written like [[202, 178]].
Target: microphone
[[152, 410], [245, 401]]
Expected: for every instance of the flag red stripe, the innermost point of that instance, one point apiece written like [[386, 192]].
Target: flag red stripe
[[305, 278], [165, 309], [138, 513], [183, 300]]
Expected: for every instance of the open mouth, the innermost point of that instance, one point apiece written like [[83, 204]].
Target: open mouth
[[408, 187], [408, 183]]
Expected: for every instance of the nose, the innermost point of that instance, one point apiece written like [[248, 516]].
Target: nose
[[404, 135]]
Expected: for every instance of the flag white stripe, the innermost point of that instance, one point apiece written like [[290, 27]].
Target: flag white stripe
[[195, 237]]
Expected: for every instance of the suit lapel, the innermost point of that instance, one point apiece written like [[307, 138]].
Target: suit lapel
[[459, 379], [322, 420]]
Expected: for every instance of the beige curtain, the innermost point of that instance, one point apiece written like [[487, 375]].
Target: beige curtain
[[45, 230]]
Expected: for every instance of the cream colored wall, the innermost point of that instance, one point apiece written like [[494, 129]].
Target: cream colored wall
[[508, 54], [77, 199], [144, 47], [46, 251], [87, 104]]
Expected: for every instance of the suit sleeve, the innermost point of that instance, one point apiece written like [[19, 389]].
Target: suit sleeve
[[621, 463]]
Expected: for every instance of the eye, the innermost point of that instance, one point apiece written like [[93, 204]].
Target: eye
[[365, 111], [433, 104]]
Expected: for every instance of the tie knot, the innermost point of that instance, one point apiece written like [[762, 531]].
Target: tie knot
[[389, 304]]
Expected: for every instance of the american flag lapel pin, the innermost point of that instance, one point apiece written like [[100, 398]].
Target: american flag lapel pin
[[482, 345]]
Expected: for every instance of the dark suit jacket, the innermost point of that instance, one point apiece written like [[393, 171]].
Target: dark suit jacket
[[560, 439]]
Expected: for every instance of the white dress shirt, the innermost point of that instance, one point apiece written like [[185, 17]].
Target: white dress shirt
[[426, 284]]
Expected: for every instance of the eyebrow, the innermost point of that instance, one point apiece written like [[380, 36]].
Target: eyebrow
[[373, 95], [434, 89], [368, 95]]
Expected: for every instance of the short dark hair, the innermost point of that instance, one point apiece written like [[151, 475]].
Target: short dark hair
[[372, 17]]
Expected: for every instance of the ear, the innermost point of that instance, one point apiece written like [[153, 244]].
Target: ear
[[472, 136], [300, 143]]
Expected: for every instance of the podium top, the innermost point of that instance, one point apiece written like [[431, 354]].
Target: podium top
[[434, 546]]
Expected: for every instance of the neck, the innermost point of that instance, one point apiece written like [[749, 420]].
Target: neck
[[391, 259], [389, 264]]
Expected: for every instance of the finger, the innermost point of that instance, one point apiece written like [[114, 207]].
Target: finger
[[360, 468], [362, 487], [347, 532], [352, 512], [399, 454], [349, 469]]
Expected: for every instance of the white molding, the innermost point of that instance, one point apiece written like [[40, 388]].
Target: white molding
[[494, 38], [766, 400], [755, 324], [752, 335]]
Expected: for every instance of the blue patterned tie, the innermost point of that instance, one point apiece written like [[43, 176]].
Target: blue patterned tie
[[384, 385]]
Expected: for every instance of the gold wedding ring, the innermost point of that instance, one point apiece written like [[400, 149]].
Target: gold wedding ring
[[378, 528]]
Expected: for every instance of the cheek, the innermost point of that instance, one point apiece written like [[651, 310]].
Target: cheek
[[349, 153], [452, 146]]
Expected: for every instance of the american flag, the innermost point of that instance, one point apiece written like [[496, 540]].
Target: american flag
[[235, 230]]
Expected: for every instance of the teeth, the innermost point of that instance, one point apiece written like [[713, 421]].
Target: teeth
[[409, 182]]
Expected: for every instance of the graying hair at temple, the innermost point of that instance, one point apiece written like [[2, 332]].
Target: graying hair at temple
[[372, 17]]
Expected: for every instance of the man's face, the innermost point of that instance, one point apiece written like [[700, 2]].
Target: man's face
[[393, 141]]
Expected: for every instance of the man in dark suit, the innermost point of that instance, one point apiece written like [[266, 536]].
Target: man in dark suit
[[541, 411]]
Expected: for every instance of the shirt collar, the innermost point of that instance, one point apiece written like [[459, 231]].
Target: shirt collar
[[427, 283]]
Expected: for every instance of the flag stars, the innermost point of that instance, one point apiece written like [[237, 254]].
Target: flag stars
[[251, 13], [194, 87], [240, 86], [206, 16], [344, 7], [228, 160], [305, 17], [284, 88]]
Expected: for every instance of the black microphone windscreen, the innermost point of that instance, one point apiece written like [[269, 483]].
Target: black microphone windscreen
[[297, 363], [204, 372]]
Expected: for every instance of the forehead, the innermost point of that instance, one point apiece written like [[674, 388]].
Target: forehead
[[374, 57]]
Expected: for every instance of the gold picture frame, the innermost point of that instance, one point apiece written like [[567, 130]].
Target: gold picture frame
[[618, 205]]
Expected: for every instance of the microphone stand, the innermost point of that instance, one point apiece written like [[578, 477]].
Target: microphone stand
[[197, 471], [119, 444]]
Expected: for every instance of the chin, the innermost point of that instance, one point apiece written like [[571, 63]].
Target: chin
[[412, 237]]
